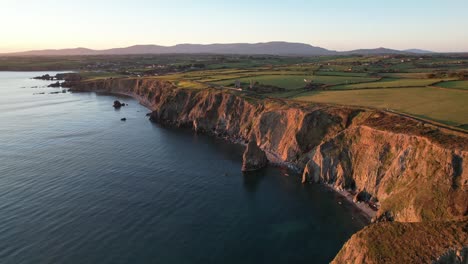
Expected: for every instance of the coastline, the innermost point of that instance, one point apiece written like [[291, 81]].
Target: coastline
[[354, 149], [377, 155], [362, 208]]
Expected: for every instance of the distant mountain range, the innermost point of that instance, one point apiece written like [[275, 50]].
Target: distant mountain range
[[420, 51], [375, 51], [268, 48]]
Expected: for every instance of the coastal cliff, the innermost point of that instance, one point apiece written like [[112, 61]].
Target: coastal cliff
[[428, 242], [410, 170]]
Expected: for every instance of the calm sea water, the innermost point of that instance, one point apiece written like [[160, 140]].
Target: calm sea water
[[77, 185]]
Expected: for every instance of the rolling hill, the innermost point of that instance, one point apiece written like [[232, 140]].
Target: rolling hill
[[267, 48]]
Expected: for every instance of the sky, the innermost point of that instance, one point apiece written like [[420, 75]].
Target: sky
[[437, 25]]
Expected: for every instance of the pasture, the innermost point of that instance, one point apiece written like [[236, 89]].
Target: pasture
[[442, 105], [454, 85], [297, 81]]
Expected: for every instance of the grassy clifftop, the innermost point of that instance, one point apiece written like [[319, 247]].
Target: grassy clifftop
[[394, 242]]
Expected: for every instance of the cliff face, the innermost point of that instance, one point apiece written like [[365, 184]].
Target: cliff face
[[415, 171], [426, 242], [413, 177]]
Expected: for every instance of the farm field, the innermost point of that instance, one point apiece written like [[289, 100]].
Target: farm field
[[403, 84], [390, 83], [454, 85], [335, 73], [445, 106], [297, 81]]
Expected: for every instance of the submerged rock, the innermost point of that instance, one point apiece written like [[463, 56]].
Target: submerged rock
[[254, 158]]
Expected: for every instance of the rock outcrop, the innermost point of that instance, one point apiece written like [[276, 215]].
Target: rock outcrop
[[393, 242], [45, 77], [254, 158], [67, 77], [54, 85], [411, 170], [117, 104]]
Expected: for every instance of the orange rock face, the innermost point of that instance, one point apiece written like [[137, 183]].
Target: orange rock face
[[393, 242]]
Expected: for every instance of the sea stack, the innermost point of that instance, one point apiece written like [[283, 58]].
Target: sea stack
[[254, 158], [118, 104]]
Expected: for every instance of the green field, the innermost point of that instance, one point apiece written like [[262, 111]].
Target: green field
[[390, 83], [297, 81], [349, 74], [446, 106], [415, 75], [454, 85], [191, 85]]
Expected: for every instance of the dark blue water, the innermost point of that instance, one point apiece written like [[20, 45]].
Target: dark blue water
[[77, 185]]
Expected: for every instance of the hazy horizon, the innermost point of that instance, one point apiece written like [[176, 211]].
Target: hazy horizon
[[215, 43], [335, 25]]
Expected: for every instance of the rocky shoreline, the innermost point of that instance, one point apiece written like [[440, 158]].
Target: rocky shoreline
[[409, 170]]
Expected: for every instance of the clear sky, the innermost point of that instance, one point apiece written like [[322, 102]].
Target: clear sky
[[439, 25]]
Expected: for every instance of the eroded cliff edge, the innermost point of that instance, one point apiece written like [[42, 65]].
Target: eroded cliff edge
[[424, 242], [412, 171]]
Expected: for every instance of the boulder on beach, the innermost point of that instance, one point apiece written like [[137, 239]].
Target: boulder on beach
[[254, 158]]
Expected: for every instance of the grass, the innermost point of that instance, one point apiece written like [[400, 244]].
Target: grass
[[394, 242], [454, 85], [390, 83], [417, 75], [297, 81], [190, 85], [89, 75], [349, 74], [446, 106]]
